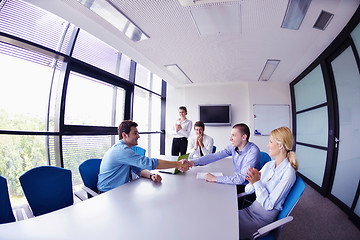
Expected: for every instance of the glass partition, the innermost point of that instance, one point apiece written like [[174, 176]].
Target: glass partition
[[347, 82], [312, 127], [312, 163], [312, 86], [357, 208]]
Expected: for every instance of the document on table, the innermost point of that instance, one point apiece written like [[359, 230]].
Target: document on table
[[201, 175]]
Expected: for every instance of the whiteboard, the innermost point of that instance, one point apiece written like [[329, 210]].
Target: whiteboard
[[268, 117]]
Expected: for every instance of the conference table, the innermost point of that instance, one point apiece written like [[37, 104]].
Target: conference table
[[181, 207]]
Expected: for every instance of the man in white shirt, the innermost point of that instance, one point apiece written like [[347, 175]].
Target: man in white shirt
[[200, 144]]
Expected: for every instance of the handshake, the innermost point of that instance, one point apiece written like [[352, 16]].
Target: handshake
[[184, 165]]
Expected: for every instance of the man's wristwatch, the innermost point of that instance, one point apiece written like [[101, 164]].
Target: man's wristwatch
[[152, 174]]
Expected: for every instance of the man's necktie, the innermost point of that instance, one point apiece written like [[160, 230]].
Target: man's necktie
[[130, 175]]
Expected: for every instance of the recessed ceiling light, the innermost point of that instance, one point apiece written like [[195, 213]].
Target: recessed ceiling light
[[295, 13], [178, 73], [269, 68], [115, 17]]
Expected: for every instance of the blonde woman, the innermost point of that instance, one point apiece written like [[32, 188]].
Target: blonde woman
[[271, 185]]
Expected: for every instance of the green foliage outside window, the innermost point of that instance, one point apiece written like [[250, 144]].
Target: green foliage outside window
[[19, 153]]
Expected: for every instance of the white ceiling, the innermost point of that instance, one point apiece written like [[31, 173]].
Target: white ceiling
[[221, 58]]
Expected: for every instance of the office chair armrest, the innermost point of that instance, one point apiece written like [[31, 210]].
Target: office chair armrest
[[268, 228], [23, 212], [18, 213], [79, 196], [89, 191], [243, 194]]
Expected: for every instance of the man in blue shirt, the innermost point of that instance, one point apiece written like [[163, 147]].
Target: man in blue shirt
[[243, 152], [120, 160]]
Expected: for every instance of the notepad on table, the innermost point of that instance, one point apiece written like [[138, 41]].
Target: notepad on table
[[201, 175]]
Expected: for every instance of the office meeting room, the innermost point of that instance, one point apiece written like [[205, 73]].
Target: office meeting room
[[179, 119]]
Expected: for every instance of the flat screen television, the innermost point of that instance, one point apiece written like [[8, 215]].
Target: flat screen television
[[215, 115]]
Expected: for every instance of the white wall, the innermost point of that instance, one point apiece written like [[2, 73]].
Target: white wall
[[240, 95], [267, 93]]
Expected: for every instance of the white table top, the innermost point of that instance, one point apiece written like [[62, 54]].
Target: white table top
[[181, 207]]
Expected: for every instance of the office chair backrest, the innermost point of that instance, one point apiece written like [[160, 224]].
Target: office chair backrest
[[6, 213], [264, 158], [89, 171], [289, 204], [214, 149], [293, 197], [139, 150], [47, 188]]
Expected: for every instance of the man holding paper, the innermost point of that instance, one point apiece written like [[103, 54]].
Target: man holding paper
[[243, 152]]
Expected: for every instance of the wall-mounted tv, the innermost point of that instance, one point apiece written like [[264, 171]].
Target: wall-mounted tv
[[215, 115]]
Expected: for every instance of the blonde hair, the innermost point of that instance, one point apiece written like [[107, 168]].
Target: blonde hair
[[284, 137]]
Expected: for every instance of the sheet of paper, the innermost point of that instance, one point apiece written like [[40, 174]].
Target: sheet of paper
[[201, 175]]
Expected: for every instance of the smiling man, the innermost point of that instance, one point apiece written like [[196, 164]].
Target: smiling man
[[243, 152], [200, 144], [120, 160]]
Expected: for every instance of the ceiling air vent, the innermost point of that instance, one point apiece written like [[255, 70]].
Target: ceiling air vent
[[323, 20]]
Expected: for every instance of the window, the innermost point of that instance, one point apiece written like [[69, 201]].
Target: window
[[77, 149], [26, 21], [18, 154], [147, 110], [147, 79], [125, 67], [90, 102], [147, 114], [95, 52], [24, 92], [31, 88]]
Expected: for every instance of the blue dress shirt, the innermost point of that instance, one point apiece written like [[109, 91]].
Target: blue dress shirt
[[114, 168], [274, 184], [248, 156]]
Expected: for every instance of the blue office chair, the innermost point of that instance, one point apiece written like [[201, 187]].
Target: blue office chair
[[6, 213], [89, 171], [139, 150], [47, 188], [272, 230], [264, 158], [214, 149]]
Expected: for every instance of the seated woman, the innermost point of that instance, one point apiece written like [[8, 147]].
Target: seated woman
[[271, 185]]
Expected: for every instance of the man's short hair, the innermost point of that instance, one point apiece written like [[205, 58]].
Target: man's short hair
[[125, 127], [199, 124], [244, 129], [183, 108]]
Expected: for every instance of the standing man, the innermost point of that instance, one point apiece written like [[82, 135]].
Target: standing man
[[120, 160], [200, 144], [244, 154]]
